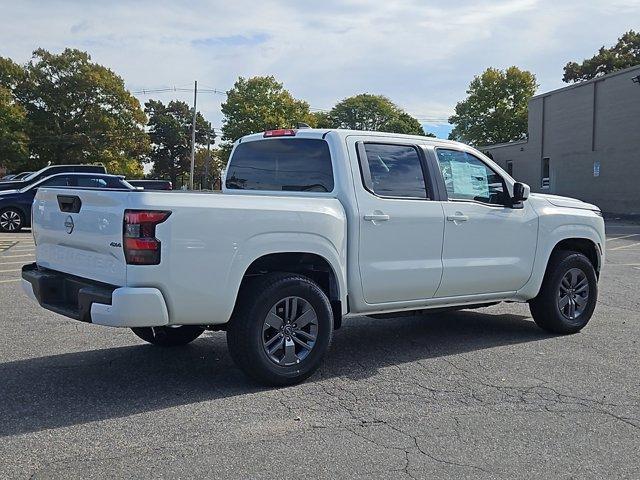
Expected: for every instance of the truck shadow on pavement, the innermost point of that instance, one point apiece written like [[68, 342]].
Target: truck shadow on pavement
[[75, 388]]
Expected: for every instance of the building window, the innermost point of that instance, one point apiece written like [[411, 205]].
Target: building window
[[545, 173], [510, 167]]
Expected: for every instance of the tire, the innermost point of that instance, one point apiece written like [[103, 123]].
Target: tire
[[11, 220], [275, 313], [570, 279], [169, 336]]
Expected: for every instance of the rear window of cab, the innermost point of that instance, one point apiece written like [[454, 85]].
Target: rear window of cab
[[281, 165]]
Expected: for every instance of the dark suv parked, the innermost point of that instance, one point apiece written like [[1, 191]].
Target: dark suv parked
[[47, 172], [15, 205]]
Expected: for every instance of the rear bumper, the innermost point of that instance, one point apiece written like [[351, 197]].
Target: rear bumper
[[93, 302]]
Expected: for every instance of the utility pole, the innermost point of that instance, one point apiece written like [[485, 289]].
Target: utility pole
[[193, 134]]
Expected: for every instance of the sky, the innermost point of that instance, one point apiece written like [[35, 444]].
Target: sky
[[420, 54]]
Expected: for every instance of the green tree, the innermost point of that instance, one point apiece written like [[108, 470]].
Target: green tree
[[405, 123], [257, 104], [11, 74], [624, 54], [496, 108], [14, 151], [208, 165], [79, 112], [373, 113], [170, 134], [320, 120]]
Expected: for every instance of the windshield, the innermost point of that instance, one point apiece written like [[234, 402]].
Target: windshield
[[21, 176], [34, 174], [29, 187]]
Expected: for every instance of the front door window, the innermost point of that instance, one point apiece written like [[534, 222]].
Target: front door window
[[468, 178]]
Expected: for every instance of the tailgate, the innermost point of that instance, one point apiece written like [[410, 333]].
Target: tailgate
[[80, 232]]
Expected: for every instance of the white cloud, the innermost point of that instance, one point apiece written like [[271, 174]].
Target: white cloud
[[420, 54]]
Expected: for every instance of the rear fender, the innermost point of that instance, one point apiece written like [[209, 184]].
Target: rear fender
[[287, 242]]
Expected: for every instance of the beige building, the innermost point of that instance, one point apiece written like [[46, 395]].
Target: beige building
[[583, 142]]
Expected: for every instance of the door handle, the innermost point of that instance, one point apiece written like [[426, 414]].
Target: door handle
[[376, 217], [457, 217]]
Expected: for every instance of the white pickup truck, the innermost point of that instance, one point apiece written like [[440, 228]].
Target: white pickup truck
[[314, 226]]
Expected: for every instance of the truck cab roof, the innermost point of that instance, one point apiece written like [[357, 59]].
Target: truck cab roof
[[342, 133]]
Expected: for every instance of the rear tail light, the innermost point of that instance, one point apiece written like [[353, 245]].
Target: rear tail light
[[282, 132], [141, 247]]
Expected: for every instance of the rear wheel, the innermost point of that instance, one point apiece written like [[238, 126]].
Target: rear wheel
[[169, 336], [281, 328], [11, 220], [568, 295]]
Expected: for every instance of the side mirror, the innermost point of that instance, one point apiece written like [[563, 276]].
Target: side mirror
[[520, 192]]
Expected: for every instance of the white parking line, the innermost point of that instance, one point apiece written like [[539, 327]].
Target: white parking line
[[624, 246], [10, 271], [12, 280], [611, 239], [22, 263], [16, 256]]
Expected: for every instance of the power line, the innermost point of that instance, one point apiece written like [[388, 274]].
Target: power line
[[146, 91], [433, 120], [210, 90]]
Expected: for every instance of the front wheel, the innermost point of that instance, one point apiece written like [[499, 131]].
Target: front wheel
[[568, 295], [281, 328], [169, 336]]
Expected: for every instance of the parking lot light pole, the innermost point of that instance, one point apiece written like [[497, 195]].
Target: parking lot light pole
[[207, 161]]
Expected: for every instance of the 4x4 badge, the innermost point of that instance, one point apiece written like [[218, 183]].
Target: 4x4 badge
[[68, 224]]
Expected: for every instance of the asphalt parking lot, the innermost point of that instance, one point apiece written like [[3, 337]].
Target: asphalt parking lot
[[470, 394]]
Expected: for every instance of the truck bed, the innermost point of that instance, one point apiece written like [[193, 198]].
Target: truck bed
[[207, 243]]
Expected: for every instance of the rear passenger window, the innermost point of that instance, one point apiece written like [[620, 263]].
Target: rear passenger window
[[292, 165], [395, 171], [92, 182]]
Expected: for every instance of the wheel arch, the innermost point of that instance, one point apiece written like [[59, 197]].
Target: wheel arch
[[309, 264], [585, 246], [14, 206], [580, 238]]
